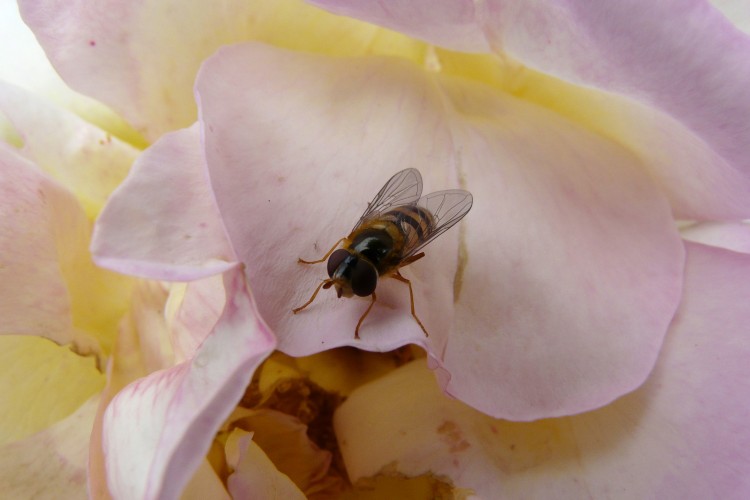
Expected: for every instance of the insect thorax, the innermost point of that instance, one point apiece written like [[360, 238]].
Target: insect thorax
[[385, 240], [377, 244]]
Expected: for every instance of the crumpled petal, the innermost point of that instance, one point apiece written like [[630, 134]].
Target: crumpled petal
[[157, 430], [565, 274], [666, 56], [85, 159], [683, 434], [53, 460], [162, 222], [284, 439], [255, 476], [730, 235], [141, 57]]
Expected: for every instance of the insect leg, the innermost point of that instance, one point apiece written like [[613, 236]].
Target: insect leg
[[398, 276], [303, 261], [411, 259], [325, 285], [359, 323]]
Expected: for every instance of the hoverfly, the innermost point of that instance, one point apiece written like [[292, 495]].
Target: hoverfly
[[396, 225]]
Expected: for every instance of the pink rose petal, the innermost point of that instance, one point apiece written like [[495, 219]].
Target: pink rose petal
[[128, 363], [138, 57], [152, 335], [665, 55], [87, 163], [162, 222], [683, 434], [157, 430], [24, 63], [730, 235], [286, 189], [34, 209], [570, 265], [570, 281]]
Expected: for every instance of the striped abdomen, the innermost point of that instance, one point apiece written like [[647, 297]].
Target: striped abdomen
[[415, 224]]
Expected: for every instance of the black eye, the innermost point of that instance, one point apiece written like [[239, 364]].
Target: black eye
[[335, 260], [364, 278]]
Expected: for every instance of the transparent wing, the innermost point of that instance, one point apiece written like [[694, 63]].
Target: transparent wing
[[447, 208], [404, 188]]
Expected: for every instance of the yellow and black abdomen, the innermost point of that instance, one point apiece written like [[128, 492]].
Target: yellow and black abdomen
[[414, 223]]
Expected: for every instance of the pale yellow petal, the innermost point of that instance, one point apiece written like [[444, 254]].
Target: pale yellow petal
[[52, 463], [294, 24], [41, 383], [205, 484], [343, 370], [87, 160]]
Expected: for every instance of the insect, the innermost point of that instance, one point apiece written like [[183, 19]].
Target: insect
[[390, 234]]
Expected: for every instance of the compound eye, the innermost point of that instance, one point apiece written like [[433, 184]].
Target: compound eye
[[364, 278], [335, 260]]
